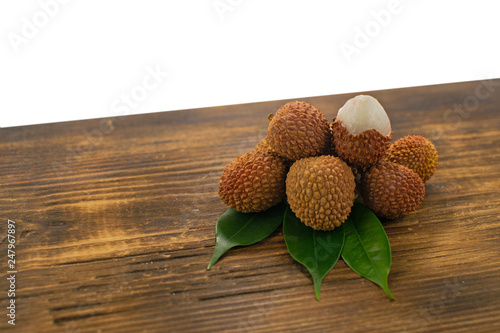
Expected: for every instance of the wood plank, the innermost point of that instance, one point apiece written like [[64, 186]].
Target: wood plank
[[115, 226]]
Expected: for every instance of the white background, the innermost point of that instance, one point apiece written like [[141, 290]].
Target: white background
[[67, 60]]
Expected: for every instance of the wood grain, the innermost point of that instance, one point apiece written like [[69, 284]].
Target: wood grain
[[115, 226]]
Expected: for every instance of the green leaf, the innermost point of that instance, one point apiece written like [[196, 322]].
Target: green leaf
[[317, 250], [234, 228], [367, 250]]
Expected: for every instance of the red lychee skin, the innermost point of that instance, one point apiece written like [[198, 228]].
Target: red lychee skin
[[254, 182], [391, 190], [320, 191], [299, 130], [361, 150], [416, 153]]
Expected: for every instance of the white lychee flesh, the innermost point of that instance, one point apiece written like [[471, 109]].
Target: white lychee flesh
[[362, 113]]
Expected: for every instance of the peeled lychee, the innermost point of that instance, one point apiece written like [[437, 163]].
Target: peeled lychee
[[299, 130], [361, 131], [320, 191], [254, 182], [416, 153], [391, 190]]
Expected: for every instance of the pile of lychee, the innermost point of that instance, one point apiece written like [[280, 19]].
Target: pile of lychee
[[321, 167]]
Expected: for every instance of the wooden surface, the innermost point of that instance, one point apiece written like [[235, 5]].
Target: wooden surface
[[115, 226]]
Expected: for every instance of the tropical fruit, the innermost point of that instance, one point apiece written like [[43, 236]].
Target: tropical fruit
[[391, 190], [320, 191], [299, 130], [361, 132], [416, 153]]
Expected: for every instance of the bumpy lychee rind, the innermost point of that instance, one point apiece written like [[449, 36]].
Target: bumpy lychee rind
[[299, 130], [320, 191], [391, 190], [254, 182], [264, 146], [416, 153], [360, 150]]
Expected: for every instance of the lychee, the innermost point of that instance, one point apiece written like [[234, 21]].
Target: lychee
[[391, 190], [361, 131], [254, 181], [299, 130], [320, 191], [416, 153]]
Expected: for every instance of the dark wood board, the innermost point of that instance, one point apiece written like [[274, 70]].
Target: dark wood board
[[116, 218]]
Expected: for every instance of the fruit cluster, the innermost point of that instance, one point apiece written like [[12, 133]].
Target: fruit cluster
[[319, 166]]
